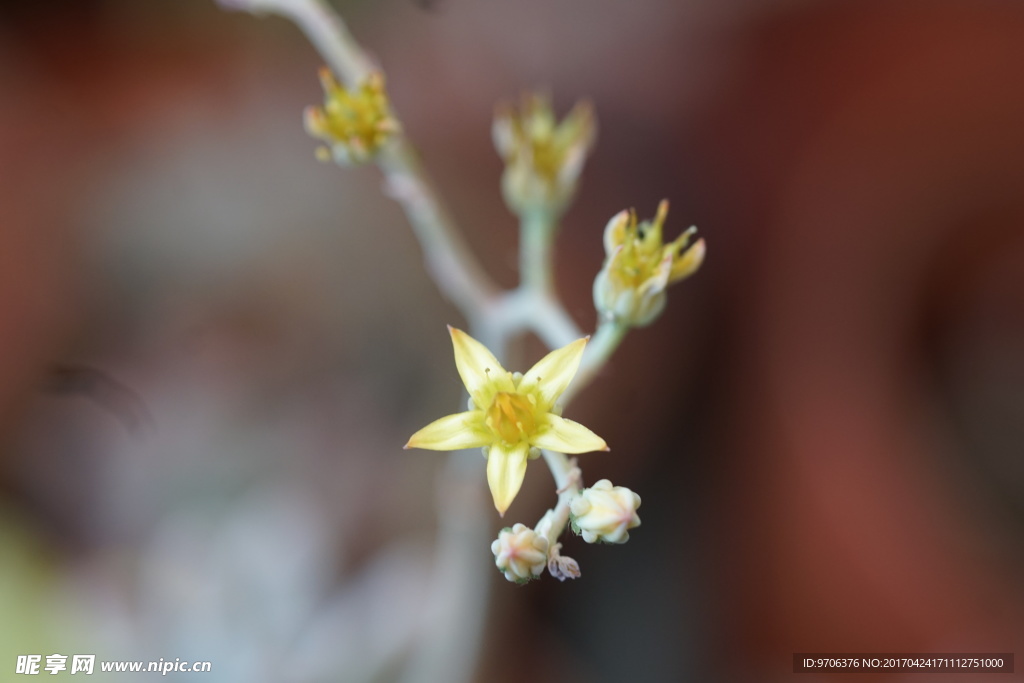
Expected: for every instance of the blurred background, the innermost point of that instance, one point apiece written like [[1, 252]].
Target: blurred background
[[826, 425]]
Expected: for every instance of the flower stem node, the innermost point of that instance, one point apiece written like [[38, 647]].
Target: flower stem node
[[354, 123], [511, 417], [520, 553], [604, 513], [630, 289], [543, 158]]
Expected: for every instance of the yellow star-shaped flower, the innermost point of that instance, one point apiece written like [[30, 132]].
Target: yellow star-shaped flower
[[511, 414]]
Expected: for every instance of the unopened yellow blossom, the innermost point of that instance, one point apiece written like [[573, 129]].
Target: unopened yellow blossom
[[630, 288], [355, 124], [543, 158], [512, 415]]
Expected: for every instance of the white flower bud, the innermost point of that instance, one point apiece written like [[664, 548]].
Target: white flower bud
[[604, 513], [521, 553]]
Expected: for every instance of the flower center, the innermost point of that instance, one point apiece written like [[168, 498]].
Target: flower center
[[511, 417]]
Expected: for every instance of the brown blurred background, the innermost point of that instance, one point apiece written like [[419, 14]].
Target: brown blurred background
[[826, 425]]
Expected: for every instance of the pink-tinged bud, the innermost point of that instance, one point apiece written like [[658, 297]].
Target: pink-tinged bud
[[520, 553]]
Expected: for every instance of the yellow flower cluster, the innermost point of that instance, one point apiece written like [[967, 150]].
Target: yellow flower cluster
[[630, 288], [543, 158], [355, 124]]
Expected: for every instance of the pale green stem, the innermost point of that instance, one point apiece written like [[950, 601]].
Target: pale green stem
[[537, 230], [536, 301], [567, 482], [449, 261], [602, 345], [324, 28], [534, 304], [523, 309], [552, 324]]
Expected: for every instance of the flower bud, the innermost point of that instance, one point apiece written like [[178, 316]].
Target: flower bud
[[520, 553], [355, 124], [604, 513], [543, 158], [630, 288]]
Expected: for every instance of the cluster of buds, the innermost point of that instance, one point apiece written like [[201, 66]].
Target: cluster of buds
[[543, 158], [355, 124], [600, 514], [630, 289]]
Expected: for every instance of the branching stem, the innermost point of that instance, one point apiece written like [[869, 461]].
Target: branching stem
[[449, 650]]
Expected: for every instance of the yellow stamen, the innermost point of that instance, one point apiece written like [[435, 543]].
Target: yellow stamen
[[511, 417]]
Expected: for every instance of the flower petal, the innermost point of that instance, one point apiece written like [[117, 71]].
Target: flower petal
[[566, 436], [506, 469], [453, 432], [552, 373], [479, 369], [653, 234], [659, 277], [615, 231], [687, 264]]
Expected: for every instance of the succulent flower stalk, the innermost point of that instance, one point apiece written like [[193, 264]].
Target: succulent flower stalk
[[511, 415]]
